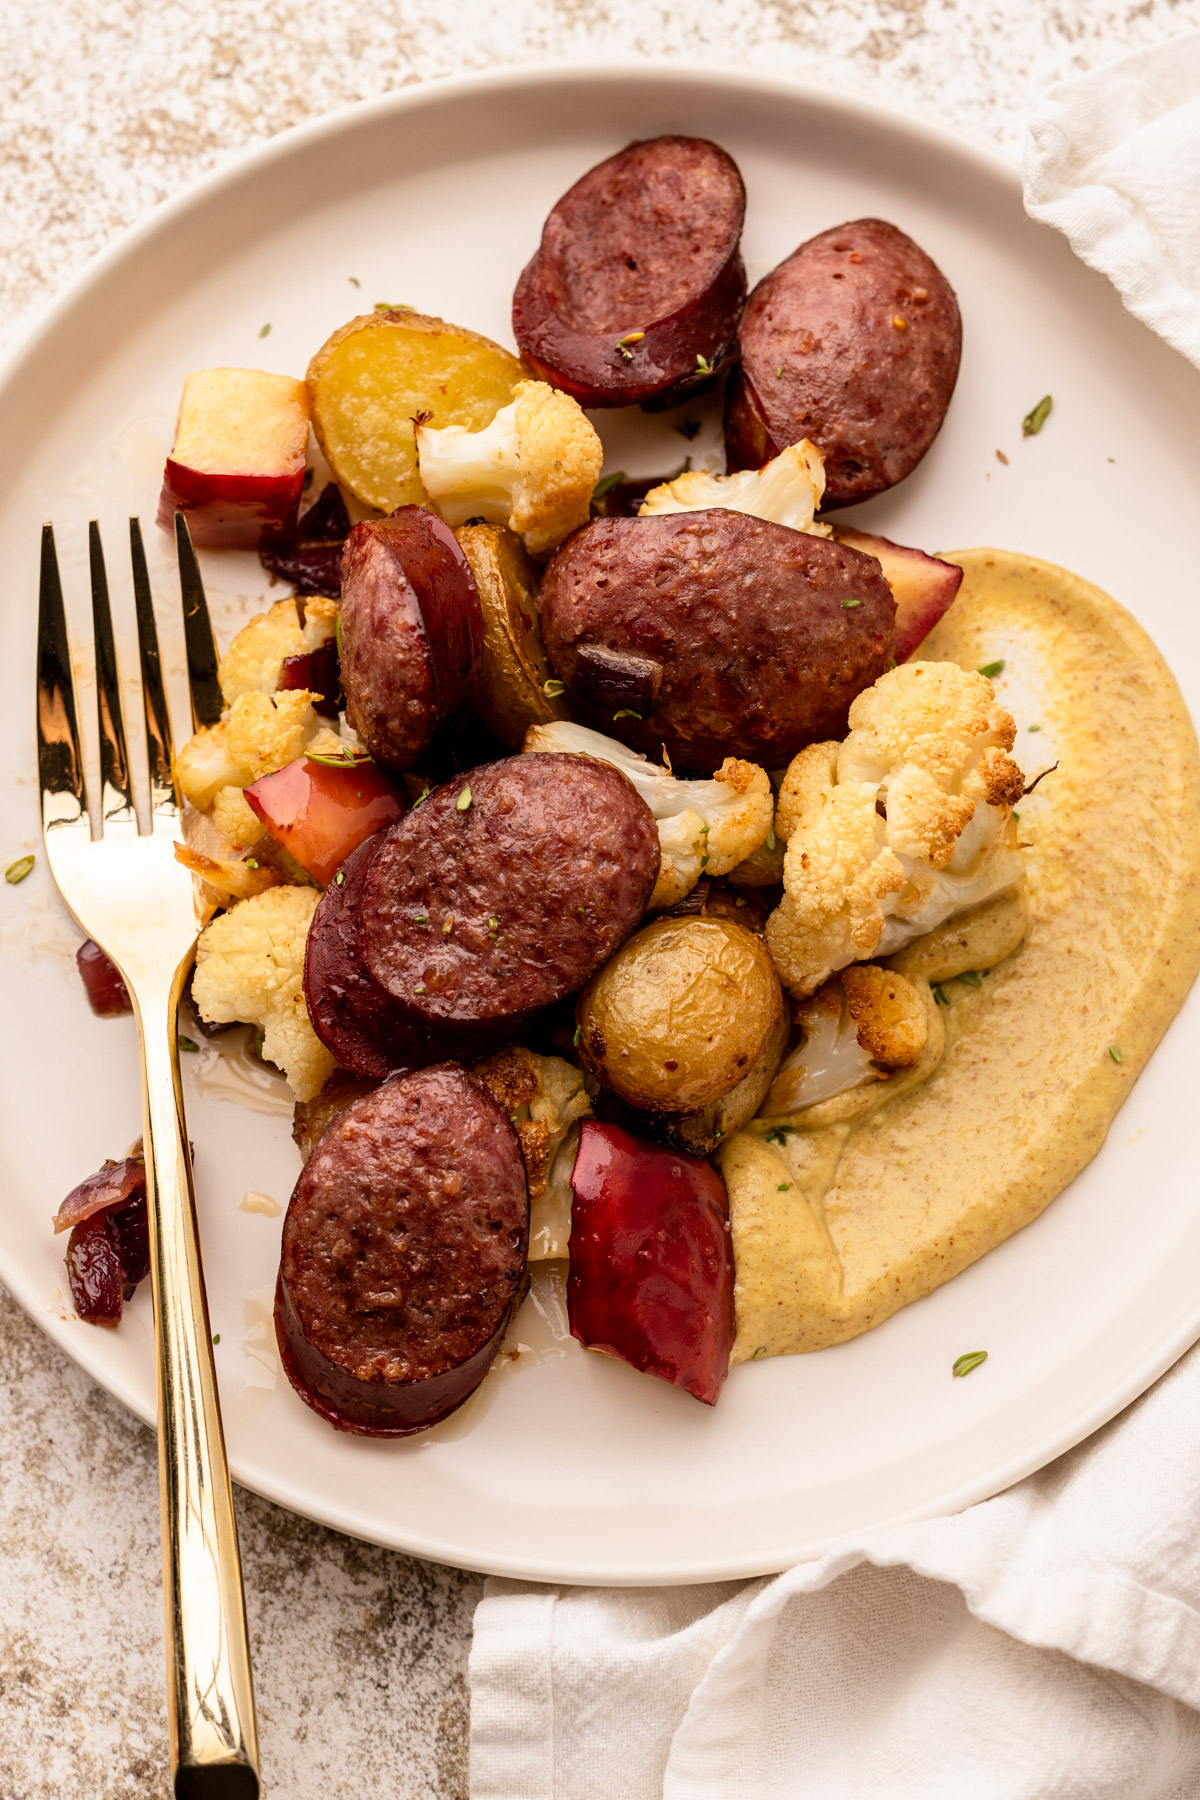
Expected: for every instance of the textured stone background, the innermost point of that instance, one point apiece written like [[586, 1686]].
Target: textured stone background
[[107, 106]]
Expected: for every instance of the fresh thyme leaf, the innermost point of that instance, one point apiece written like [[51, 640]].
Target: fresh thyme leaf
[[992, 669], [1036, 417], [17, 871], [347, 759], [420, 918], [265, 330], [785, 1187], [354, 281], [849, 603], [778, 1135], [970, 978], [578, 1034], [970, 1361], [420, 988], [627, 712], [554, 687], [606, 484], [187, 1043], [393, 306], [1114, 1053], [941, 996], [703, 365], [217, 1338], [1033, 728], [464, 799], [759, 1353], [423, 795], [251, 862], [338, 879]]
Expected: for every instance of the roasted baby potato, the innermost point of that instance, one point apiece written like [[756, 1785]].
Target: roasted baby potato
[[378, 373], [512, 693], [680, 1015], [699, 1133]]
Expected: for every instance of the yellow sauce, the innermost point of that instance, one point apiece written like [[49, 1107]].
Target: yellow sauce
[[841, 1226]]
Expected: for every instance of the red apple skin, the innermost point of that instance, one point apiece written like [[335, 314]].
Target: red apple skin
[[103, 982], [651, 1278], [922, 586], [230, 512], [320, 814], [411, 634]]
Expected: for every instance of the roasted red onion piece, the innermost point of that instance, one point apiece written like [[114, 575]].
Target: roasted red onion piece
[[311, 558], [320, 672], [108, 1252], [106, 991]]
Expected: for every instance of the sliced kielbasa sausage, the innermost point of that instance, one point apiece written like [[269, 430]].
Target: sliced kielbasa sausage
[[636, 290], [854, 341], [741, 637], [506, 888], [403, 1254]]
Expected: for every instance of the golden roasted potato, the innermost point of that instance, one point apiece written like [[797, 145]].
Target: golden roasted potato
[[699, 1133], [374, 375], [512, 692], [681, 1014]]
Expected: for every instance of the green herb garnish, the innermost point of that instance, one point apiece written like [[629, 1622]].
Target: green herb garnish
[[760, 1352], [623, 343], [251, 863], [627, 712], [1036, 417], [354, 281], [464, 799], [393, 306], [703, 365], [17, 871], [778, 1135], [785, 1187], [970, 978], [970, 1361], [265, 330], [186, 1043], [340, 759], [849, 603], [420, 988], [941, 996], [606, 484], [578, 1034], [423, 795], [1033, 728], [1114, 1053], [217, 1338], [771, 841], [420, 918], [554, 687], [992, 669]]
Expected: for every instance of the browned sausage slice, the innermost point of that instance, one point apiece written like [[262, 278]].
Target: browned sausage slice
[[635, 293], [403, 1253], [506, 888], [854, 341], [411, 633], [748, 638]]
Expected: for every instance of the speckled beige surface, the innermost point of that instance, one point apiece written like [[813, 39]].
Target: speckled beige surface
[[107, 106]]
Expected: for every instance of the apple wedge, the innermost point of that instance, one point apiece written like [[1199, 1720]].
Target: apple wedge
[[922, 586], [651, 1277], [320, 808], [237, 468]]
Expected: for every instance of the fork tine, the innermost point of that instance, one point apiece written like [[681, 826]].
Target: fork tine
[[163, 797], [116, 795], [60, 756], [197, 632]]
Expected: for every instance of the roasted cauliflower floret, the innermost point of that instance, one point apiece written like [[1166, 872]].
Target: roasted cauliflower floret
[[250, 968], [787, 490], [704, 827], [254, 659], [532, 469], [543, 1096], [262, 733], [904, 824], [858, 1027]]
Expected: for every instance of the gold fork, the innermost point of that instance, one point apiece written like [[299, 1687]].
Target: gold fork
[[127, 892]]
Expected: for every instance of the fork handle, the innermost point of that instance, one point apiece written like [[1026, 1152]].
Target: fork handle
[[214, 1739]]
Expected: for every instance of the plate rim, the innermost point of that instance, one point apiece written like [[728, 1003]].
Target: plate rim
[[848, 105]]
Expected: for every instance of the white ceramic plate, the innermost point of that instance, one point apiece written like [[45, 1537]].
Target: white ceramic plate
[[571, 1466]]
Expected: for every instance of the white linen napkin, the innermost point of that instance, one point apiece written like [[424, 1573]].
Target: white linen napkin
[[1042, 1646]]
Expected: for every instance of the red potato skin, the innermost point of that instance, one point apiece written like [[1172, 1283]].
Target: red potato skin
[[922, 586], [412, 633], [230, 512], [854, 341], [646, 241], [651, 1278], [403, 1254], [320, 814], [764, 635]]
